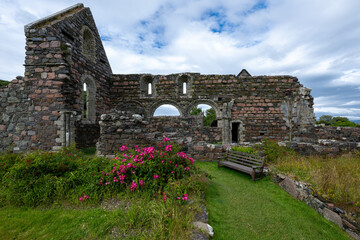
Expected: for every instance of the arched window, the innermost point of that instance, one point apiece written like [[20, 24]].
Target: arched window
[[89, 98], [149, 88], [208, 112], [184, 84], [166, 110], [85, 100], [184, 87], [88, 44]]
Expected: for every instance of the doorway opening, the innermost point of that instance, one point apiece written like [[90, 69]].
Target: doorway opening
[[235, 132]]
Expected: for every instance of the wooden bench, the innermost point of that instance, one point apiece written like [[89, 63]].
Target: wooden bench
[[244, 162]]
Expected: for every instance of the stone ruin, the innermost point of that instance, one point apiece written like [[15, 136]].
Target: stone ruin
[[45, 108]]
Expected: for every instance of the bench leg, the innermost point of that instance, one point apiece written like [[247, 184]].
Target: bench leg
[[253, 176]]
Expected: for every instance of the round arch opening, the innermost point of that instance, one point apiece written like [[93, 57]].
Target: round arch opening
[[166, 110], [208, 112]]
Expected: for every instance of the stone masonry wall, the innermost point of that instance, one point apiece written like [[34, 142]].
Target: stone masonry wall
[[276, 107], [16, 124], [55, 70], [122, 128]]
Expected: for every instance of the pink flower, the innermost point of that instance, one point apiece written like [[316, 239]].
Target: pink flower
[[172, 171], [156, 177], [168, 148], [115, 179], [116, 158], [141, 182], [83, 198], [191, 161], [123, 148], [136, 146], [133, 186], [164, 197], [185, 197], [166, 139]]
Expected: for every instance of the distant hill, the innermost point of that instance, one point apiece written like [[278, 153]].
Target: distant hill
[[4, 83]]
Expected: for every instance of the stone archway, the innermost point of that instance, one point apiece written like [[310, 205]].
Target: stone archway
[[157, 104], [211, 103]]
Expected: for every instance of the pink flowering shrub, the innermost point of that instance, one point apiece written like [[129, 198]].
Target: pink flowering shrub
[[151, 168]]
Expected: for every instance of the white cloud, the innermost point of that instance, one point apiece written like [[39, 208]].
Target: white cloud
[[350, 77]]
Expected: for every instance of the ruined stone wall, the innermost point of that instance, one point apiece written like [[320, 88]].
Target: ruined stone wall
[[348, 134], [45, 109], [122, 128], [55, 69], [264, 106], [16, 124]]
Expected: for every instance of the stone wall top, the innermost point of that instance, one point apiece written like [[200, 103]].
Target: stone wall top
[[54, 16]]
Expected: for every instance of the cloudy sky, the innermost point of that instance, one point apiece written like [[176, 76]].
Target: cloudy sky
[[316, 40]]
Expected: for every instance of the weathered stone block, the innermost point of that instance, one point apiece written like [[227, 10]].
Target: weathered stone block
[[332, 216], [289, 186]]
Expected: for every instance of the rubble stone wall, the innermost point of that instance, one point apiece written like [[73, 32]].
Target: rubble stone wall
[[277, 107], [121, 128]]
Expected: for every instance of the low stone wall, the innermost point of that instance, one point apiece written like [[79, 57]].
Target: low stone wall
[[86, 135], [348, 134], [121, 128], [303, 192]]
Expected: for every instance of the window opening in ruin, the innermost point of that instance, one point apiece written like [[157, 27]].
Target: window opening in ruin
[[235, 132], [208, 112], [85, 101], [88, 99], [167, 110], [149, 88], [184, 88], [88, 44]]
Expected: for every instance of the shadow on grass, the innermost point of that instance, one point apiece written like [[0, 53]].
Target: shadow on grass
[[242, 209]]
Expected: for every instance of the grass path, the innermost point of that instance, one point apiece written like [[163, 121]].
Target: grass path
[[241, 209]]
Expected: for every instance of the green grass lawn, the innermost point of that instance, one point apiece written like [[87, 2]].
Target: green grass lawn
[[241, 209], [137, 218]]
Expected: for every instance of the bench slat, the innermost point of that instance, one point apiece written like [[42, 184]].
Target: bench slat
[[235, 158], [255, 158], [257, 162]]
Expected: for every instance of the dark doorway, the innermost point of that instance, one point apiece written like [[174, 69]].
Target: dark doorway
[[235, 132]]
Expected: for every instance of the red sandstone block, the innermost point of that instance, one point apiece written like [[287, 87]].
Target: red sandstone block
[[39, 70], [46, 118], [57, 56], [16, 138], [44, 45], [62, 76], [54, 44], [2, 127], [37, 108]]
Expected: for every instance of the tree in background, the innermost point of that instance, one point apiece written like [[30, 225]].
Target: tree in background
[[325, 119], [195, 111], [3, 83], [209, 117], [336, 121]]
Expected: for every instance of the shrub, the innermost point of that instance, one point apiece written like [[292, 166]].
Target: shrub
[[45, 178], [249, 150], [274, 152], [150, 167]]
